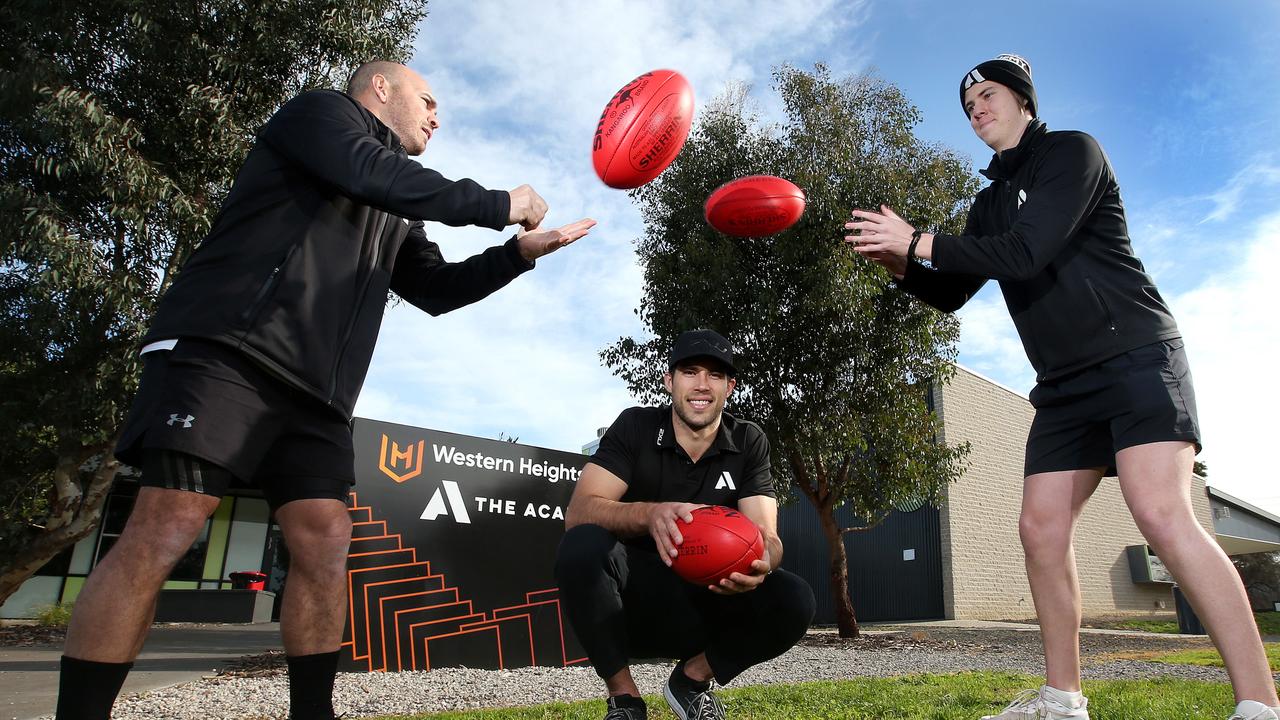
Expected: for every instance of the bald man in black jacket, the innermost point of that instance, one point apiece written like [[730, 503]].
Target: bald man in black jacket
[[257, 353]]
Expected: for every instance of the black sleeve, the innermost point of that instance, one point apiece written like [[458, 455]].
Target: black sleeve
[[326, 133], [617, 448], [945, 291], [759, 480], [1067, 186], [423, 278]]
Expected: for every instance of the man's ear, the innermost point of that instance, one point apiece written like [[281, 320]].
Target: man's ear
[[666, 380], [733, 383], [381, 86]]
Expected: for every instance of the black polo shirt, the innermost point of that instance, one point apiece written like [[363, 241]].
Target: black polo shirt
[[640, 447]]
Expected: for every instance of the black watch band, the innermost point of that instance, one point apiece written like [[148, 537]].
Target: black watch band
[[911, 249]]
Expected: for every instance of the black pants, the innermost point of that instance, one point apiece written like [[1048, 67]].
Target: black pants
[[625, 603]]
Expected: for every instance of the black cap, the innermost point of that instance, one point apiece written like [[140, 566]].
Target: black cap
[[1012, 71], [702, 343]]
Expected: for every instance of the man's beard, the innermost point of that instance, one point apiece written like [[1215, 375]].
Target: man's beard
[[692, 424]]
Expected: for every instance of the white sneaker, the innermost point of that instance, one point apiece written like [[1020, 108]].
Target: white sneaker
[[1034, 705], [1253, 710]]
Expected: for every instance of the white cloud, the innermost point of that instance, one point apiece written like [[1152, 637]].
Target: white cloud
[[1227, 201], [989, 341], [1230, 329]]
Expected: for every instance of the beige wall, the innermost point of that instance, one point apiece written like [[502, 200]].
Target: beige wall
[[983, 576]]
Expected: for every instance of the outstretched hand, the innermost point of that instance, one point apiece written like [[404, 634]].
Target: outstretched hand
[[881, 237], [535, 243]]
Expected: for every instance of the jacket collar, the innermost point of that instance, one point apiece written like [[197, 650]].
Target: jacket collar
[[382, 132], [1004, 165], [724, 434]]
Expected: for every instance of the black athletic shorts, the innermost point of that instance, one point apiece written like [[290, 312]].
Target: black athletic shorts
[[1140, 397], [202, 407]]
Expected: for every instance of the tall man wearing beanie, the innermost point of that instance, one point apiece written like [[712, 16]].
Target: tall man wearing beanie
[[654, 466], [1113, 392], [258, 350]]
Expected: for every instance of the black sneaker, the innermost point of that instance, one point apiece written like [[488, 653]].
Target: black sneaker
[[626, 707], [690, 700]]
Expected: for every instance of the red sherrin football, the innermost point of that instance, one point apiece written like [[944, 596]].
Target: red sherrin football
[[642, 129], [719, 542], [755, 205]]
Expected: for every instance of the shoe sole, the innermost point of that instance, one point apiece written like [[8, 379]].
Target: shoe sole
[[671, 703]]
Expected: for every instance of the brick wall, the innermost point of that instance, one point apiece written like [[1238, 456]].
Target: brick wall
[[983, 575]]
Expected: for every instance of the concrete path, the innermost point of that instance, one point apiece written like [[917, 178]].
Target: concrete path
[[173, 654]]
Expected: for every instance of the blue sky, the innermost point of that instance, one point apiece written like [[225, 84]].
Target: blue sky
[[1184, 97]]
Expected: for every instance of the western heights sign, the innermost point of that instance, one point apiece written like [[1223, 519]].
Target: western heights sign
[[452, 552]]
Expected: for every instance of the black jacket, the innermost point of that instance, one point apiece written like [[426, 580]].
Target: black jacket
[[324, 217], [1051, 229]]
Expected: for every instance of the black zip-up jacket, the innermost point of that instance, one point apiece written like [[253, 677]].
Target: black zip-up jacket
[[1051, 229], [323, 219]]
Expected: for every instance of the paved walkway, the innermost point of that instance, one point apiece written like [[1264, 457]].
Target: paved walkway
[[173, 654]]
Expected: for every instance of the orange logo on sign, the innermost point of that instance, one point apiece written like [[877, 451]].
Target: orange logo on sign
[[390, 459]]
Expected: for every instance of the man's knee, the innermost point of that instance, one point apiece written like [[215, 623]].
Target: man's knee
[[584, 549], [1044, 533], [318, 532], [164, 523], [795, 604]]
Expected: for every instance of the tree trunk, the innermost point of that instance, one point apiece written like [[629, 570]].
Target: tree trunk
[[817, 489], [74, 516], [846, 620]]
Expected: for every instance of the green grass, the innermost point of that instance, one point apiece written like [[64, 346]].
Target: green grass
[[963, 696], [1211, 658], [1154, 626], [1268, 624], [54, 615]]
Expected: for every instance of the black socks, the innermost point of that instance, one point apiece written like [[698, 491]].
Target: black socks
[[311, 685], [88, 689], [680, 680]]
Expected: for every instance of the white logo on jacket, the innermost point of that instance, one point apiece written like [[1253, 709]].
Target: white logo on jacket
[[726, 481], [1022, 197]]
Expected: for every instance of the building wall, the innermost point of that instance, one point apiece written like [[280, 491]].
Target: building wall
[[983, 575]]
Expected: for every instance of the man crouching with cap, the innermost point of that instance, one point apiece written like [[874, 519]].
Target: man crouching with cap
[[654, 465]]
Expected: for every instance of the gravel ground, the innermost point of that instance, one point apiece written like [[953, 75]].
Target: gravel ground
[[257, 687]]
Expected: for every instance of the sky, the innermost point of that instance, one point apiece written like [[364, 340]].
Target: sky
[[1184, 97]]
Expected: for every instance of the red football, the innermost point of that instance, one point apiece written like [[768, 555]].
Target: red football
[[754, 205], [642, 129], [719, 542]]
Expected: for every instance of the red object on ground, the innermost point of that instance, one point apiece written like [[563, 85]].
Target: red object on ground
[[248, 580], [719, 542]]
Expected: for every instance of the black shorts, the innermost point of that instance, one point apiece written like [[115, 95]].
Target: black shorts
[[1084, 419], [203, 403]]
